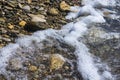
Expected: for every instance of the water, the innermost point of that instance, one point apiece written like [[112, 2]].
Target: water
[[83, 30]]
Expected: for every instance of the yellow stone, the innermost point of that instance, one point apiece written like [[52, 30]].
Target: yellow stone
[[22, 23], [57, 61], [10, 26], [32, 68], [64, 6]]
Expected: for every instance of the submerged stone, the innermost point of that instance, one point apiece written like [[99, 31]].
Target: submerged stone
[[15, 64], [57, 61]]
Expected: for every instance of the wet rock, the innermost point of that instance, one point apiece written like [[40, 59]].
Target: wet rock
[[15, 64], [37, 18], [22, 23], [6, 39], [95, 34], [64, 6], [27, 8], [53, 11], [2, 20], [20, 5], [57, 61], [1, 45], [3, 30], [9, 8], [10, 26], [2, 77]]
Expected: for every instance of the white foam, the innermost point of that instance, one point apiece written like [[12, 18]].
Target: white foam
[[99, 2], [5, 54]]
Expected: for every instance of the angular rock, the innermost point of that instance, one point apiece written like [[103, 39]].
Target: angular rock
[[37, 18]]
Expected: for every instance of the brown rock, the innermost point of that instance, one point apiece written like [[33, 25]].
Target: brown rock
[[64, 6]]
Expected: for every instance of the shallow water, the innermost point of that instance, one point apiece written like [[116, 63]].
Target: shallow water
[[92, 43]]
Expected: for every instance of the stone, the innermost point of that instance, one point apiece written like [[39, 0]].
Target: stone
[[15, 64], [37, 18], [2, 20], [22, 23], [6, 39], [10, 26], [32, 68], [53, 11], [27, 8], [56, 61], [20, 5], [29, 1], [1, 46], [33, 26], [96, 32], [64, 6]]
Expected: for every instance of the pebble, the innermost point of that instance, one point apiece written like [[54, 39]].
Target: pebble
[[22, 23], [20, 5], [3, 30], [6, 39], [64, 6], [10, 26], [29, 1], [2, 20], [6, 36], [27, 8], [37, 18], [53, 11]]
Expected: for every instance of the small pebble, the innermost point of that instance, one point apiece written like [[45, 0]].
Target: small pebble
[[53, 11], [22, 23], [27, 8], [10, 26]]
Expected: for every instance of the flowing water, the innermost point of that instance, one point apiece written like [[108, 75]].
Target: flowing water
[[93, 35]]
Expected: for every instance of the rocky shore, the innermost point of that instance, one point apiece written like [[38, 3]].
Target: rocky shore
[[21, 17]]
